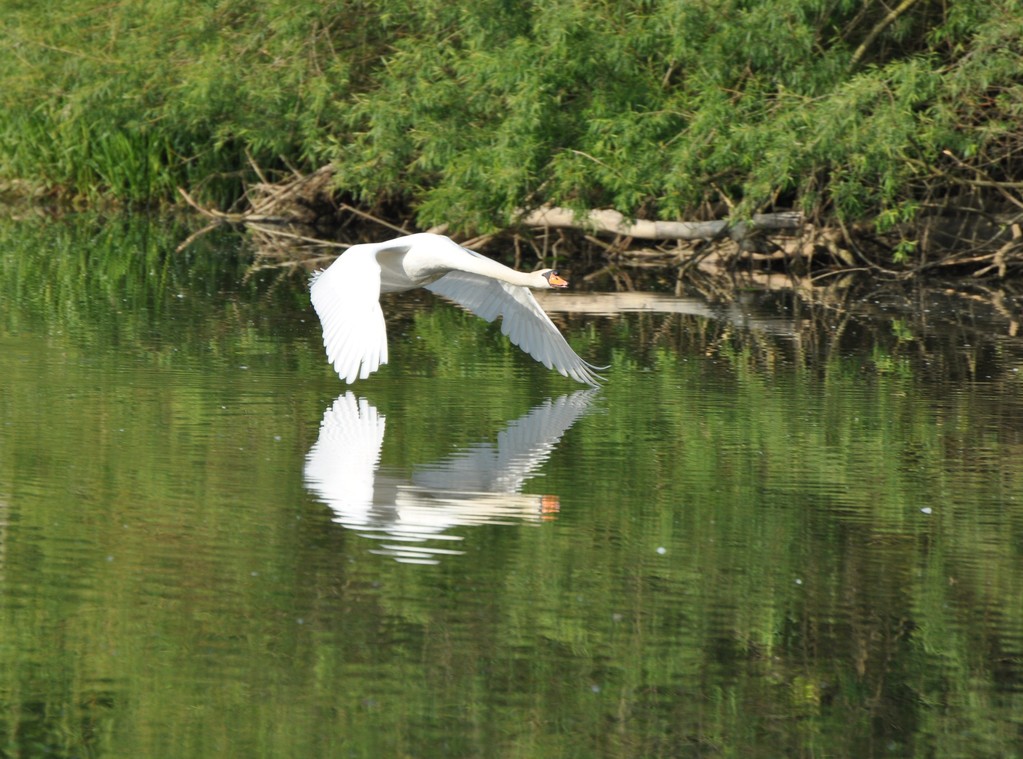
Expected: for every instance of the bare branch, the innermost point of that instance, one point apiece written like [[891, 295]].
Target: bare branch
[[607, 220], [881, 25]]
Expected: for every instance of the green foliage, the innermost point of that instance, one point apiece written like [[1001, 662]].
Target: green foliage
[[469, 111], [133, 99], [656, 108]]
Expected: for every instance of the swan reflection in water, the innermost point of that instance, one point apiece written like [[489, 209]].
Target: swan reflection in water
[[477, 485]]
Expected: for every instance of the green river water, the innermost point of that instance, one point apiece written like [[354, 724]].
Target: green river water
[[785, 527]]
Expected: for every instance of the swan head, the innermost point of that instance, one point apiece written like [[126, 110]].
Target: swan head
[[554, 280]]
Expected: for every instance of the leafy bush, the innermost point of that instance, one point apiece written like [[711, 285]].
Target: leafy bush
[[469, 111], [132, 99]]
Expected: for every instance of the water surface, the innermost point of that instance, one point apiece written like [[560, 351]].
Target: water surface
[[785, 527]]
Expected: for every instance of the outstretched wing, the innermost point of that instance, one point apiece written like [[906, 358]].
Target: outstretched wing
[[347, 299], [522, 320]]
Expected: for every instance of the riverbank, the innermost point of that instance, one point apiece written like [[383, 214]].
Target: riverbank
[[304, 220], [894, 132]]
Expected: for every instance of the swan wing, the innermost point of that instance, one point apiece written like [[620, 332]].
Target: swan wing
[[522, 320], [346, 297]]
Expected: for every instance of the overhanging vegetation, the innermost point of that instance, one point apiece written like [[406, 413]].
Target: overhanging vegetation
[[901, 120]]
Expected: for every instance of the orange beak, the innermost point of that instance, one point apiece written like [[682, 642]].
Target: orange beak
[[556, 280]]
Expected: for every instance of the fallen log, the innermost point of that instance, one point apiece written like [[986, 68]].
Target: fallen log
[[607, 220]]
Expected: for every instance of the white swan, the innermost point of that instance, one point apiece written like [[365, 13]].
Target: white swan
[[346, 297]]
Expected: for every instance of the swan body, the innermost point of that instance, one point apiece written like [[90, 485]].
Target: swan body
[[346, 297]]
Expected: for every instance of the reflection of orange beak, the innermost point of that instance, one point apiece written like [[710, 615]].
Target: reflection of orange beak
[[549, 506], [557, 280]]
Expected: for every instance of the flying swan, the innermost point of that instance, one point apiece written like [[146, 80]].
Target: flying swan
[[346, 297]]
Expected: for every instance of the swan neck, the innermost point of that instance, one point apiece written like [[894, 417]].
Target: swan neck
[[490, 268]]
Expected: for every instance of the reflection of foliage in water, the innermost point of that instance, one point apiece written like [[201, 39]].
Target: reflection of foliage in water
[[95, 268], [120, 281], [803, 604]]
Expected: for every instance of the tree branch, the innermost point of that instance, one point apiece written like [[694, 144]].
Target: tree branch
[[607, 220], [881, 25]]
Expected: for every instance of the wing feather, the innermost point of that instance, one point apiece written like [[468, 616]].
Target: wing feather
[[346, 297], [522, 319]]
